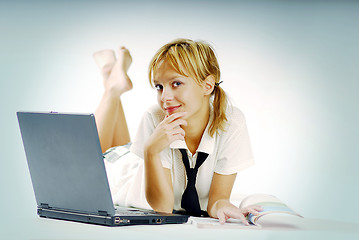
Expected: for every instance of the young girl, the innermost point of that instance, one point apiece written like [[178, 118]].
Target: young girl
[[188, 149]]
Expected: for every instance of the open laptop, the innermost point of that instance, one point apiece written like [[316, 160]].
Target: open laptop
[[68, 173]]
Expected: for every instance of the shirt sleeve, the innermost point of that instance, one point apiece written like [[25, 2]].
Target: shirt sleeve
[[235, 153], [147, 125]]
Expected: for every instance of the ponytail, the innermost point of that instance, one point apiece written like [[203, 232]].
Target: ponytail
[[220, 103]]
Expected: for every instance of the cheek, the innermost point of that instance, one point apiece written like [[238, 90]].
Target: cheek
[[159, 99], [191, 97], [196, 102]]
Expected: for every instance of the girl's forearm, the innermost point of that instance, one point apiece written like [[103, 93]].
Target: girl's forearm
[[158, 184]]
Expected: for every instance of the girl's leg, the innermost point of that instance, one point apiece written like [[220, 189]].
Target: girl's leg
[[110, 118], [121, 133]]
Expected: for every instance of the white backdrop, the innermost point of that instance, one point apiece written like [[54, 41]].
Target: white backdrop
[[290, 66]]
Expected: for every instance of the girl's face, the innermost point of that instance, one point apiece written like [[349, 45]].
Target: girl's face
[[177, 93]]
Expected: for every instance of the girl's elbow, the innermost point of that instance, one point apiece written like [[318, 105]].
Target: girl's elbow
[[164, 205], [163, 209]]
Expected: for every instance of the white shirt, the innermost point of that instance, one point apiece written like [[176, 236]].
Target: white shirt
[[229, 152]]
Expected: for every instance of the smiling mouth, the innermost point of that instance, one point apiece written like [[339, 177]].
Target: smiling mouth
[[170, 110]]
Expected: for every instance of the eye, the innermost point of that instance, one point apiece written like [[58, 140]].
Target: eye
[[176, 84], [158, 87]]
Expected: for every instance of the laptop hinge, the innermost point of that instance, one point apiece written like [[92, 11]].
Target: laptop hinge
[[44, 205], [102, 213]]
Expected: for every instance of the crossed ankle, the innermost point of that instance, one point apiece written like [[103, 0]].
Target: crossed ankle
[[112, 94]]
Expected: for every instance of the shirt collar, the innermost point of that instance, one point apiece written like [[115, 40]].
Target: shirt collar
[[207, 142]]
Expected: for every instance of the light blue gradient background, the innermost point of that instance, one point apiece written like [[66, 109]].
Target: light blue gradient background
[[291, 66]]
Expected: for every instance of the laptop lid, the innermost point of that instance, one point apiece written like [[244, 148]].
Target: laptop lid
[[65, 161]]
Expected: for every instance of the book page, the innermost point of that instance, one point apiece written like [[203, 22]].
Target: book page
[[269, 203], [206, 222]]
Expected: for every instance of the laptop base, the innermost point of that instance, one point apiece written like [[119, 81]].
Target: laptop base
[[112, 221]]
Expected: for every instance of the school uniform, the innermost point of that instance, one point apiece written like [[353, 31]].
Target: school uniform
[[229, 152]]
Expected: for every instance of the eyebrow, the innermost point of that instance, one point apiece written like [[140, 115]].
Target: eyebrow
[[172, 78]]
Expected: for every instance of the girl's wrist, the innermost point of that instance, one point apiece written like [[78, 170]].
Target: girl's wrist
[[149, 153], [217, 205]]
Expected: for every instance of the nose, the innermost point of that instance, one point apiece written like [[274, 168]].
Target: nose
[[167, 94]]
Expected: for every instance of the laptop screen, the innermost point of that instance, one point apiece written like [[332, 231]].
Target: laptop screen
[[65, 161]]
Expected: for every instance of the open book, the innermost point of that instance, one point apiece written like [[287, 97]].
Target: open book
[[270, 205]]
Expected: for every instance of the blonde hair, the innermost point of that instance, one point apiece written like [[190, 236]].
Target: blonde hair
[[199, 61]]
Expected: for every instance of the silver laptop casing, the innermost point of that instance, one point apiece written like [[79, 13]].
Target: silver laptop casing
[[68, 173]]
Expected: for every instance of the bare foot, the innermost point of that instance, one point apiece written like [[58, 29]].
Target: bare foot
[[118, 82], [105, 60], [124, 58]]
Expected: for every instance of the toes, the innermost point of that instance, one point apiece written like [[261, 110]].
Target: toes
[[122, 49]]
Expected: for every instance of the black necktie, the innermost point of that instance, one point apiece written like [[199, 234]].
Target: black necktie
[[190, 200]]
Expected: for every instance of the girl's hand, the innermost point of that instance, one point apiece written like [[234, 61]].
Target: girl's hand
[[168, 131], [226, 210]]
